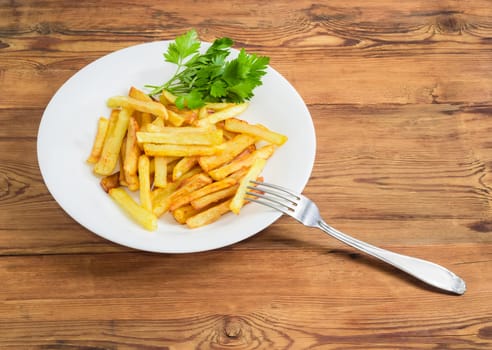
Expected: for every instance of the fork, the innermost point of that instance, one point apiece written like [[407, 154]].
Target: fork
[[305, 211]]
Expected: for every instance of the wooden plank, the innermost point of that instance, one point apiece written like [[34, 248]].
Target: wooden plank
[[410, 166], [356, 57], [337, 80], [185, 300], [326, 274]]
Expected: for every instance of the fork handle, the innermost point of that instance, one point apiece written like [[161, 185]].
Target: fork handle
[[426, 271]]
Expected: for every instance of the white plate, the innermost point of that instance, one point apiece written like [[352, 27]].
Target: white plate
[[67, 130]]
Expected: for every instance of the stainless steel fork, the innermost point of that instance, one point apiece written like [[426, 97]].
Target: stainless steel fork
[[305, 211]]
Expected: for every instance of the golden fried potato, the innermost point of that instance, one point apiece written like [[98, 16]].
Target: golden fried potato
[[209, 215], [175, 119], [214, 197], [144, 182], [102, 128], [110, 181], [252, 174], [186, 135], [161, 198], [138, 94], [160, 171], [201, 192], [183, 213], [135, 211], [242, 162], [151, 107], [227, 152], [112, 145], [259, 131], [167, 150], [184, 165], [223, 114], [189, 185], [131, 154], [194, 163]]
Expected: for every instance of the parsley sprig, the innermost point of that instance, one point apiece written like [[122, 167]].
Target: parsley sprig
[[210, 77]]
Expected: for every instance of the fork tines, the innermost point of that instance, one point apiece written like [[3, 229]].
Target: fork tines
[[273, 196]]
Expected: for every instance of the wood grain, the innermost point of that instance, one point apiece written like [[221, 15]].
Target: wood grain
[[122, 298], [400, 95]]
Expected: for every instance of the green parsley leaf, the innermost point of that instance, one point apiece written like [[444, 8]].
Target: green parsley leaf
[[182, 47], [194, 99], [210, 77], [218, 88]]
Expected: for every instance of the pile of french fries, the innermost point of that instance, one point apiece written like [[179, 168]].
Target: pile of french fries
[[194, 164]]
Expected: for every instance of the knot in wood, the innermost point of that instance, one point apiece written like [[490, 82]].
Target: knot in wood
[[485, 333], [450, 24], [4, 185], [233, 327], [43, 28], [483, 226]]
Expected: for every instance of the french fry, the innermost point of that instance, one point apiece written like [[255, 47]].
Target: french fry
[[102, 128], [156, 126], [110, 181], [161, 198], [203, 112], [238, 175], [151, 168], [131, 154], [171, 163], [167, 98], [194, 163], [160, 171], [182, 136], [158, 123], [201, 192], [175, 119], [185, 177], [238, 163], [183, 213], [111, 149], [209, 108], [217, 106], [122, 179], [223, 114], [252, 174], [183, 166], [208, 216], [121, 172], [228, 135], [190, 116], [189, 185], [259, 131], [138, 213], [144, 182], [166, 150], [145, 118], [205, 201], [151, 107], [113, 118], [138, 94], [228, 151]]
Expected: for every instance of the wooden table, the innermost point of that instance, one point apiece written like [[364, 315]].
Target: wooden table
[[400, 95]]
